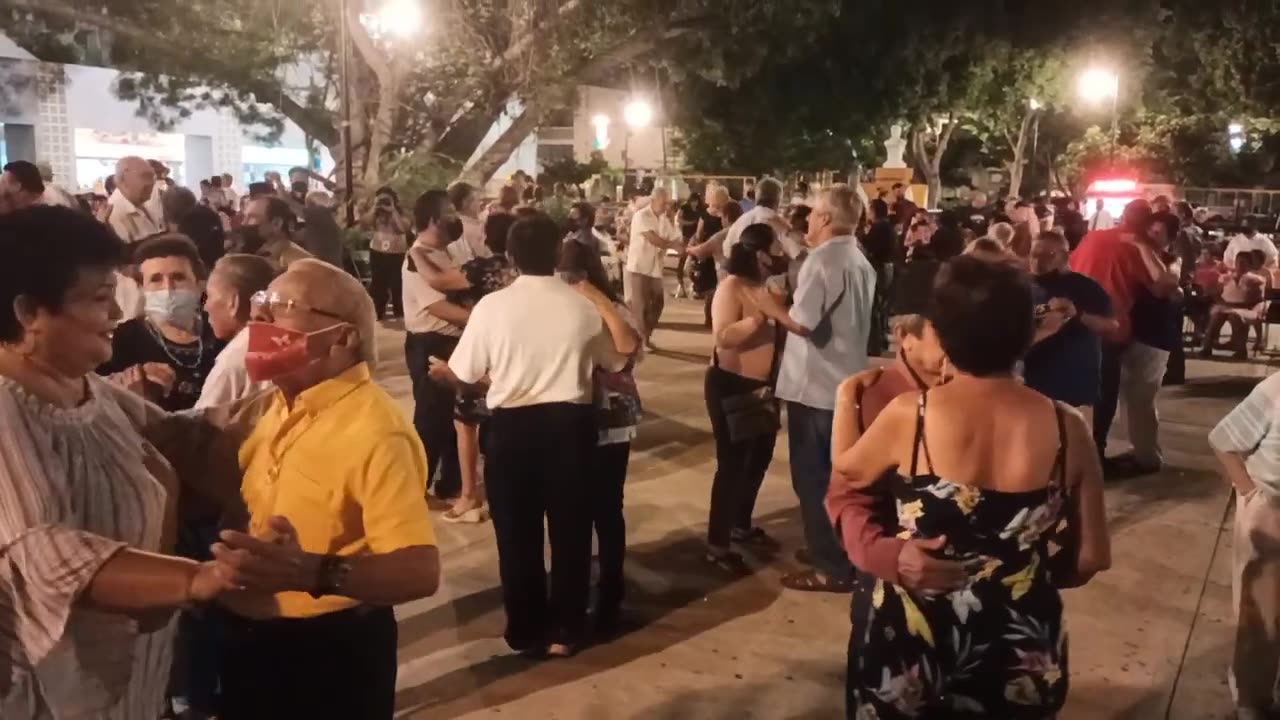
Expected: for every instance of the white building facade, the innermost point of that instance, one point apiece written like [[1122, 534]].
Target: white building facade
[[69, 117]]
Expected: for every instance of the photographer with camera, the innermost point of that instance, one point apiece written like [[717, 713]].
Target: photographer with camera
[[389, 227]]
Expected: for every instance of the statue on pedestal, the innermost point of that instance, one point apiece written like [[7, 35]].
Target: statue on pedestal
[[895, 146]]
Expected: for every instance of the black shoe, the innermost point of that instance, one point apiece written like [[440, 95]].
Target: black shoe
[[755, 537], [804, 556]]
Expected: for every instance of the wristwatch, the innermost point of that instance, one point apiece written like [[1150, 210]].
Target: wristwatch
[[331, 576]]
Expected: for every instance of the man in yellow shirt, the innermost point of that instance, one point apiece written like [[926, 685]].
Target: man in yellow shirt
[[334, 482]]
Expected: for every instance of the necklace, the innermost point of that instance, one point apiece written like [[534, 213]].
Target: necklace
[[165, 345]]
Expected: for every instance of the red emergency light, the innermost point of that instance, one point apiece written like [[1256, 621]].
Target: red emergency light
[[1113, 185]]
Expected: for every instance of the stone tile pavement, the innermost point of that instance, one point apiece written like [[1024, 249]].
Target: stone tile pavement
[[1149, 639]]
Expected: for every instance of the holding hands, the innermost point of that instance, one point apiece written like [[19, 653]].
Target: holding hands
[[271, 563]]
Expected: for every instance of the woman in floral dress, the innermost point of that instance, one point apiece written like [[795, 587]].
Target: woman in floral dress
[[995, 469]]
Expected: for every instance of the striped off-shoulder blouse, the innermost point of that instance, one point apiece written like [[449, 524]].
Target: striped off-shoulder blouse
[[76, 486]]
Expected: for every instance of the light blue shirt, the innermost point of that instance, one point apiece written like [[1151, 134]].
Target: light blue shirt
[[834, 294]]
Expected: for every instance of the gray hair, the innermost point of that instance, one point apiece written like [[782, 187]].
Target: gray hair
[[246, 275], [843, 204], [1001, 232], [769, 192]]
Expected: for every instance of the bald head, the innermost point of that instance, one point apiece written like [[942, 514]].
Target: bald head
[[322, 286], [135, 178]]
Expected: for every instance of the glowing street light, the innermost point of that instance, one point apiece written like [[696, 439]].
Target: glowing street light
[[638, 113], [1235, 136], [399, 18], [1035, 104], [1097, 85], [601, 124]]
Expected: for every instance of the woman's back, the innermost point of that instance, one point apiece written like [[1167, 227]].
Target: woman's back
[[996, 435]]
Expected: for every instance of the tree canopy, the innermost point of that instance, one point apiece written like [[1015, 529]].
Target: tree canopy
[[967, 72], [436, 93]]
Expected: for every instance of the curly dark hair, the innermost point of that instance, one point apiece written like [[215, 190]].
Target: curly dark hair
[[45, 249], [983, 314]]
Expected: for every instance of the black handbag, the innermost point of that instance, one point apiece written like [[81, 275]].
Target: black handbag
[[752, 414]]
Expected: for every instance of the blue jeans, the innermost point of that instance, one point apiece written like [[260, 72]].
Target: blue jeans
[[809, 431]]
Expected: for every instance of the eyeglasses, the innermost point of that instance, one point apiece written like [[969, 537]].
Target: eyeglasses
[[273, 302]]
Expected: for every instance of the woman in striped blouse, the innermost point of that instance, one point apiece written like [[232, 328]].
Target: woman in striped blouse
[[86, 504]]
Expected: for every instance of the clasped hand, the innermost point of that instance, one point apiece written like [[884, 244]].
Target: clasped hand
[[271, 563]]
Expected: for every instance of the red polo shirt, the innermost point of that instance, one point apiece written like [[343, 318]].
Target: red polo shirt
[[1113, 262]]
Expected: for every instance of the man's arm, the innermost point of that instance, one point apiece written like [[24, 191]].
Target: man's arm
[[470, 359], [403, 564], [455, 315]]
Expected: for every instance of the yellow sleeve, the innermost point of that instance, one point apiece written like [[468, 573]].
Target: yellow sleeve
[[392, 495]]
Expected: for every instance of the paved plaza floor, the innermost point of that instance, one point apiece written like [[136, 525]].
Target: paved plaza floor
[[1149, 639]]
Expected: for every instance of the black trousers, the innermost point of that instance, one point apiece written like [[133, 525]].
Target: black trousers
[[740, 466], [608, 476], [433, 410], [341, 665], [538, 463], [386, 280], [1104, 413]]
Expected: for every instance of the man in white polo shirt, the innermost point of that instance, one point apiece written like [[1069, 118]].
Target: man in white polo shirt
[[652, 234], [538, 341], [433, 326]]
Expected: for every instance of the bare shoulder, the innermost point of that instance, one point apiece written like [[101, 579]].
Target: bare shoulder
[[849, 387]]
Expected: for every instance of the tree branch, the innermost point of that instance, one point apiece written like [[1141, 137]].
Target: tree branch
[[268, 92]]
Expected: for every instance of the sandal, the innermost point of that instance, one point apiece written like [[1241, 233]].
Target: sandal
[[729, 562], [473, 516], [755, 537], [813, 581]]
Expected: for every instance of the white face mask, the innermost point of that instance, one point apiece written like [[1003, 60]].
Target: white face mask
[[180, 308]]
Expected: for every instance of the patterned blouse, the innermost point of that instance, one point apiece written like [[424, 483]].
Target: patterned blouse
[[76, 486]]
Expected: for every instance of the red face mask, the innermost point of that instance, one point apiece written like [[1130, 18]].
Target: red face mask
[[276, 351]]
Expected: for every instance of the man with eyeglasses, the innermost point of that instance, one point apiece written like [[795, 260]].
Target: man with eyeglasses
[[334, 482]]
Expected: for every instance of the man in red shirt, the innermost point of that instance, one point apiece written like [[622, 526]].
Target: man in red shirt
[[1112, 260]]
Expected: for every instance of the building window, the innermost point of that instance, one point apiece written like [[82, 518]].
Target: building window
[[548, 154]]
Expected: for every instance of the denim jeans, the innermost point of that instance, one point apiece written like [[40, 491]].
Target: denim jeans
[[809, 431]]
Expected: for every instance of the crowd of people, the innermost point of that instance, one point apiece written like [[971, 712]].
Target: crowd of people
[[208, 506]]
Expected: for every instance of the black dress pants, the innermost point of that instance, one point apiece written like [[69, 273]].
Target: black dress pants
[[740, 466], [433, 410], [538, 463], [608, 476], [385, 280], [1104, 413], [340, 666]]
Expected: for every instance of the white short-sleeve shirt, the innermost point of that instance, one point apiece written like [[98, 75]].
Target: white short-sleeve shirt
[[529, 360], [643, 257]]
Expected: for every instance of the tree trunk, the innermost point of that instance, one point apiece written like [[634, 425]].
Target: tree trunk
[[479, 170], [930, 163], [1019, 147]]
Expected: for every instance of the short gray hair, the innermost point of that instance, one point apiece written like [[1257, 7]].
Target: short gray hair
[[245, 274], [352, 305], [843, 204], [769, 192], [1001, 232]]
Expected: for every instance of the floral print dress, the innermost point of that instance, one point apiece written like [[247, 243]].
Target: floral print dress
[[996, 648]]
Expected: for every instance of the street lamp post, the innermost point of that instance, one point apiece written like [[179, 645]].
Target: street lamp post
[[344, 81], [1097, 84]]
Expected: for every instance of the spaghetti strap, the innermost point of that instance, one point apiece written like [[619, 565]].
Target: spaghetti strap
[[919, 441], [1058, 478]]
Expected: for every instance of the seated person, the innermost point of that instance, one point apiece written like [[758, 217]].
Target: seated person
[[1243, 290]]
